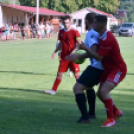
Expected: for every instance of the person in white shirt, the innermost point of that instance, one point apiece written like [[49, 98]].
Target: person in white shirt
[[41, 30], [91, 76], [47, 28]]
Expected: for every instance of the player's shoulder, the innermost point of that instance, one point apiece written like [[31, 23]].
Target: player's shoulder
[[110, 36], [92, 34], [61, 30], [73, 29]]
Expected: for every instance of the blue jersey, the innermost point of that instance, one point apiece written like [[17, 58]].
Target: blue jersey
[[92, 38]]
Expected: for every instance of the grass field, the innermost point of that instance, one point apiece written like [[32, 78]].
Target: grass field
[[26, 68]]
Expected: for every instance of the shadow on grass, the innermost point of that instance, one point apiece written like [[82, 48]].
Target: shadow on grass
[[56, 114], [27, 73], [20, 89], [130, 73]]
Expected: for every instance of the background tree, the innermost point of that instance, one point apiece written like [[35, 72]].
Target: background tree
[[10, 2], [129, 6], [70, 6]]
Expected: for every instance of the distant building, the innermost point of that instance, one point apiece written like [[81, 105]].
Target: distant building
[[25, 14], [78, 17]]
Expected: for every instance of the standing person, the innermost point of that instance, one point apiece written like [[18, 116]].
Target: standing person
[[51, 30], [6, 31], [28, 31], [68, 38], [41, 30], [91, 76], [1, 33], [114, 65], [33, 30], [47, 29], [22, 29], [10, 31]]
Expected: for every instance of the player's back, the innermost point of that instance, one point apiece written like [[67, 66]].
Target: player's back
[[111, 52]]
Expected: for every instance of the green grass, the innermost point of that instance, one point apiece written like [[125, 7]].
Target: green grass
[[26, 68]]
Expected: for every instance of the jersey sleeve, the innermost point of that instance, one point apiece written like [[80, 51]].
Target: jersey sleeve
[[86, 41], [77, 34], [104, 49], [94, 40], [59, 35]]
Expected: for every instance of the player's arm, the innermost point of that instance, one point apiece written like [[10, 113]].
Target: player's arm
[[93, 48], [78, 41], [58, 47], [90, 52], [74, 57]]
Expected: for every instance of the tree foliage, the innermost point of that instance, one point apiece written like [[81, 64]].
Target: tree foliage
[[129, 6], [10, 2], [70, 6]]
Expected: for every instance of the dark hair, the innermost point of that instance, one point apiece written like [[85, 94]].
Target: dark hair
[[90, 17], [66, 17], [101, 19]]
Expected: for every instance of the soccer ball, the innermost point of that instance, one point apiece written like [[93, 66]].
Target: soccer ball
[[81, 60]]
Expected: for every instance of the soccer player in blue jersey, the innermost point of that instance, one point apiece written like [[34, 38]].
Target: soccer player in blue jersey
[[91, 76]]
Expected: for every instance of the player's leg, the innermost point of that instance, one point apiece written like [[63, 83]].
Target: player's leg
[[75, 68], [107, 100], [70, 73], [55, 84], [91, 98], [63, 66], [113, 79], [81, 102], [84, 81], [92, 80]]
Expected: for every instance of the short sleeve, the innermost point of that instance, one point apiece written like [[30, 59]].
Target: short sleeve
[[59, 37], [86, 41], [77, 34]]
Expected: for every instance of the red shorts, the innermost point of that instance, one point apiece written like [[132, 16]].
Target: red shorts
[[113, 75], [64, 65]]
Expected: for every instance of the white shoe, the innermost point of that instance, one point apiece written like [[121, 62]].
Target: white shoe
[[70, 74], [50, 92]]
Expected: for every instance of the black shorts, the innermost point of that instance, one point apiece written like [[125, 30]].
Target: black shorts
[[90, 77]]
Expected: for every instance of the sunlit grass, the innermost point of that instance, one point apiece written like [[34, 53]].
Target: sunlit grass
[[26, 68]]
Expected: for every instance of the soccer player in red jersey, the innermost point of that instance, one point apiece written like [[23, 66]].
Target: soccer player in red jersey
[[115, 68], [68, 38]]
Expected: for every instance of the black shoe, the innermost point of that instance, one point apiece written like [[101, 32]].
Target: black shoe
[[92, 116], [81, 120]]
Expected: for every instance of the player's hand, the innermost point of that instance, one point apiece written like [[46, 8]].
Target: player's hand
[[81, 46], [53, 55], [71, 57]]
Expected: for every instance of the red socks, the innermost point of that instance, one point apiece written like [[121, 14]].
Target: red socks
[[56, 84], [76, 77], [109, 108], [114, 108]]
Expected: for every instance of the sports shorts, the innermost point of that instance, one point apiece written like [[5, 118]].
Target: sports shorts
[[64, 65], [90, 77], [113, 75]]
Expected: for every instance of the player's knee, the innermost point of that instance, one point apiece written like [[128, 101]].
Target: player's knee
[[77, 89], [59, 74]]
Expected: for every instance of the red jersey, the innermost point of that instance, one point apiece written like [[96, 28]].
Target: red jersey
[[109, 48], [68, 40]]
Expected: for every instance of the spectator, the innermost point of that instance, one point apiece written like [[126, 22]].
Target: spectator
[[6, 31], [51, 30], [22, 29], [33, 30], [47, 28], [11, 32], [41, 30], [1, 33], [27, 30]]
